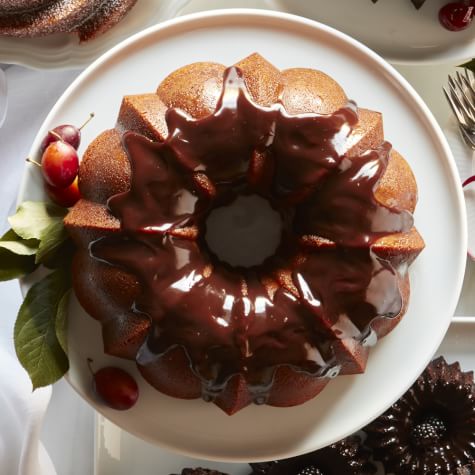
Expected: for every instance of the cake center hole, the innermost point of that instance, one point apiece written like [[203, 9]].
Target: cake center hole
[[245, 232]]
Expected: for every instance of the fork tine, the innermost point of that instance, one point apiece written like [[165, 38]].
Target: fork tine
[[464, 83], [458, 79], [468, 138], [465, 99], [459, 102], [469, 87], [455, 109], [460, 95], [469, 107], [452, 82], [470, 76], [454, 94], [455, 89]]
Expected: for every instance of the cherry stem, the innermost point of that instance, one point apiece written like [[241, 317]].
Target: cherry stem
[[89, 363], [469, 180], [55, 134], [91, 115], [34, 162]]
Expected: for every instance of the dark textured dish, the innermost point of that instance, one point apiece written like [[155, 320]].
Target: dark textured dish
[[87, 18]]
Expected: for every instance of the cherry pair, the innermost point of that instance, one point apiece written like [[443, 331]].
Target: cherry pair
[[60, 163]]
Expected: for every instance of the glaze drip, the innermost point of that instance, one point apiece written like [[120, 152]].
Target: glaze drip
[[243, 320], [343, 208], [222, 144]]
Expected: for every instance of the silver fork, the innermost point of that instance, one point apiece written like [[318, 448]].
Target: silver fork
[[461, 97]]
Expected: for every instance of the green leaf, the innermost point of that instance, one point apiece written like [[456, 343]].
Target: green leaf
[[36, 343], [14, 243], [53, 237], [13, 266], [33, 218], [62, 321], [469, 65]]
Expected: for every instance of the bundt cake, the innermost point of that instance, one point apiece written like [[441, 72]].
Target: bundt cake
[[431, 429], [104, 18], [346, 457], [87, 18], [271, 333]]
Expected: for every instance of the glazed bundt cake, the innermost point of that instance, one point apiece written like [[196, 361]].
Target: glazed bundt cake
[[271, 333], [87, 18]]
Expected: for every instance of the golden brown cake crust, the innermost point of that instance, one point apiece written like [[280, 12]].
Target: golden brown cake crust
[[307, 90], [263, 80], [194, 88], [145, 114], [88, 221], [105, 168], [368, 132]]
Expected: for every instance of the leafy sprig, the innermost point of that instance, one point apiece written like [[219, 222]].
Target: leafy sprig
[[38, 237], [40, 332]]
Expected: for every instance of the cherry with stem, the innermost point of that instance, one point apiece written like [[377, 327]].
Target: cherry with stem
[[116, 388]]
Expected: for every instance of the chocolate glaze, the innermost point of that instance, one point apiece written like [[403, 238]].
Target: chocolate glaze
[[343, 208], [225, 318]]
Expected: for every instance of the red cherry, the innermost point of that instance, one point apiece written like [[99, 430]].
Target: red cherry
[[65, 197], [67, 133], [60, 164], [116, 388], [456, 16]]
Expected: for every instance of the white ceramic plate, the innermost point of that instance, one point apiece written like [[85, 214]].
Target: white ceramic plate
[[393, 28], [257, 433], [119, 453], [62, 51]]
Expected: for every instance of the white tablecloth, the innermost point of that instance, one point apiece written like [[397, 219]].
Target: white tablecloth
[[69, 423]]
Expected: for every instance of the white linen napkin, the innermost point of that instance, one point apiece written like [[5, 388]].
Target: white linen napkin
[[22, 412], [21, 452]]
